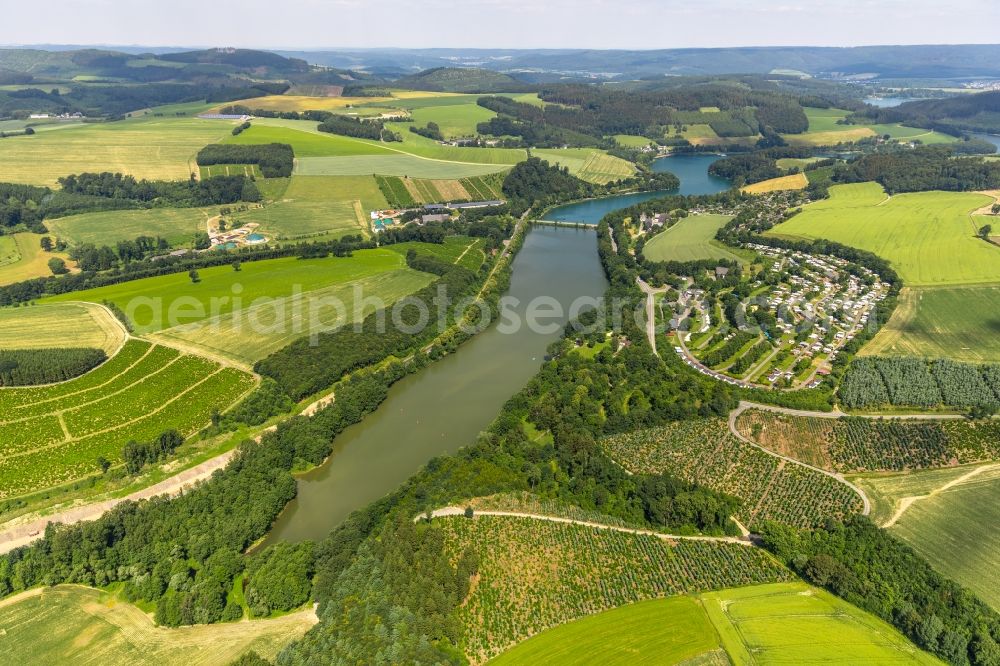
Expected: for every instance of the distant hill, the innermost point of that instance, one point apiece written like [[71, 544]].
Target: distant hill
[[460, 79], [239, 58], [978, 112], [884, 62]]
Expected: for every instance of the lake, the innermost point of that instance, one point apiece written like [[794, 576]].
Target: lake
[[447, 404], [692, 170]]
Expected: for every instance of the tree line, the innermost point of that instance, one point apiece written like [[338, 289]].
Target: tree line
[[26, 367]]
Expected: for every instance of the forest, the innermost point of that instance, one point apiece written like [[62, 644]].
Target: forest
[[27, 367], [868, 567], [274, 159], [921, 169]]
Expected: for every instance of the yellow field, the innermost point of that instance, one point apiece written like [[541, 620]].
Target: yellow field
[[60, 325], [21, 258], [149, 147], [831, 138], [797, 181], [591, 165], [84, 627], [326, 103]]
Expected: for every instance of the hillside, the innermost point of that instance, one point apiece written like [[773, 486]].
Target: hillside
[[459, 79]]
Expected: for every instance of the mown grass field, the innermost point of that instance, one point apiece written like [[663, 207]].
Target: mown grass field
[[632, 141], [59, 325], [793, 623], [961, 323], [22, 258], [177, 225], [455, 120], [667, 631], [796, 181], [929, 237], [55, 434], [691, 239], [157, 148], [304, 139], [253, 332], [83, 626], [314, 205], [221, 291], [955, 524]]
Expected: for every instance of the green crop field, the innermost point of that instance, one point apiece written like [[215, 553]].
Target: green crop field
[[929, 237], [691, 239], [573, 571], [455, 120], [793, 623], [221, 291], [313, 205], [955, 523], [960, 323], [60, 325], [22, 258], [253, 332], [177, 225], [147, 147], [667, 631], [248, 170], [55, 434], [400, 164], [304, 139], [79, 625]]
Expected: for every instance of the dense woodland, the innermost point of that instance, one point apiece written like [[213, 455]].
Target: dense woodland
[[25, 367], [274, 159], [921, 169], [874, 571], [26, 206]]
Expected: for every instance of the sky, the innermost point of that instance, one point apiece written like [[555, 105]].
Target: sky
[[628, 24]]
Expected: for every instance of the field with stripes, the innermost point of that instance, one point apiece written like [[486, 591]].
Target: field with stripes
[[54, 434]]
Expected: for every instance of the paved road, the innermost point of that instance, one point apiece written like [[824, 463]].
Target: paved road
[[460, 511]]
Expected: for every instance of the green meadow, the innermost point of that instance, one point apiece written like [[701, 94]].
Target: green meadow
[[304, 138], [667, 631], [779, 623], [589, 164], [691, 239], [793, 623], [955, 524], [177, 225], [399, 164], [960, 323], [315, 205], [148, 301], [455, 120], [929, 237], [80, 625]]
